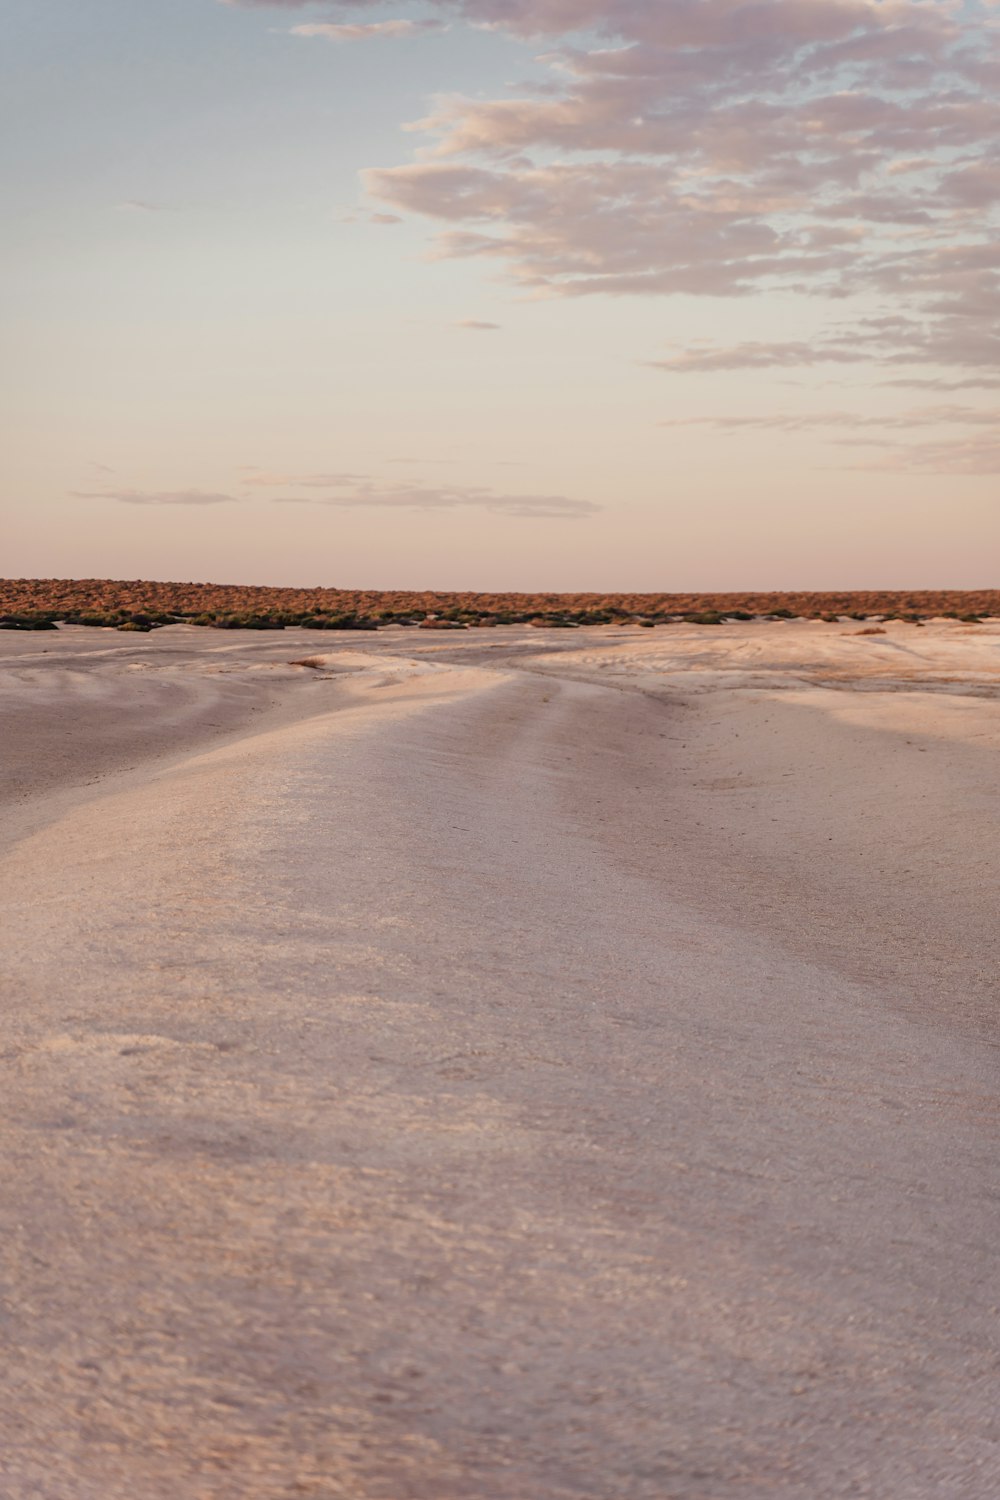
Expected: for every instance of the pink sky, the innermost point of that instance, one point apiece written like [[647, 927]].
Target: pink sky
[[526, 293]]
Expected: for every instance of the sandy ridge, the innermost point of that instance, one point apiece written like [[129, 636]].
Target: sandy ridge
[[460, 1086]]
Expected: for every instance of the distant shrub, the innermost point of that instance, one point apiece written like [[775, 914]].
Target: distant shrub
[[109, 602], [247, 622], [26, 622], [340, 622]]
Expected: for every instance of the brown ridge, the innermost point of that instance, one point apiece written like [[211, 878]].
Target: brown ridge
[[63, 598]]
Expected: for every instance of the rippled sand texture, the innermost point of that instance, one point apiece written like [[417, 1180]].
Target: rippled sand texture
[[501, 1065]]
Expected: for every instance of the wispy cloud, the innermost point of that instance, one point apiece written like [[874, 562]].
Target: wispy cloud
[[968, 336], [974, 453], [348, 490], [754, 355], [267, 479], [373, 494], [140, 206], [919, 418], [351, 31], [159, 497], [476, 325], [944, 384], [843, 151], [972, 456]]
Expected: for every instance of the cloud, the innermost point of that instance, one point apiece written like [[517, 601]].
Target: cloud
[[359, 490], [963, 332], [842, 152], [365, 31], [977, 453], [140, 206], [942, 383], [159, 497], [266, 479], [973, 456], [919, 418], [756, 355], [600, 227], [477, 325], [375, 495]]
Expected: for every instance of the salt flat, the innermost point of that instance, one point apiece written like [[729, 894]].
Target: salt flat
[[504, 1065]]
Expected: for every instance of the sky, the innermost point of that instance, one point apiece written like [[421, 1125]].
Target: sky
[[502, 294]]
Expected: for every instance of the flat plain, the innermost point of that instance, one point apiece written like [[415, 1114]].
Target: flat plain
[[503, 1065]]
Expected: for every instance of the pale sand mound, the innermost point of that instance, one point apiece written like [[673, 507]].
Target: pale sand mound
[[495, 1085]]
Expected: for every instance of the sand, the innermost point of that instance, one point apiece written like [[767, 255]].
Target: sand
[[501, 1065]]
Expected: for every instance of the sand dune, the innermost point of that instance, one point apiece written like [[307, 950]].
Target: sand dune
[[541, 1065], [780, 655]]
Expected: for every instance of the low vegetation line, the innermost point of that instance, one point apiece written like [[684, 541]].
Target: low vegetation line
[[138, 605]]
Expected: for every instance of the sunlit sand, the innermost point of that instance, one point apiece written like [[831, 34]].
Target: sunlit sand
[[516, 1065]]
